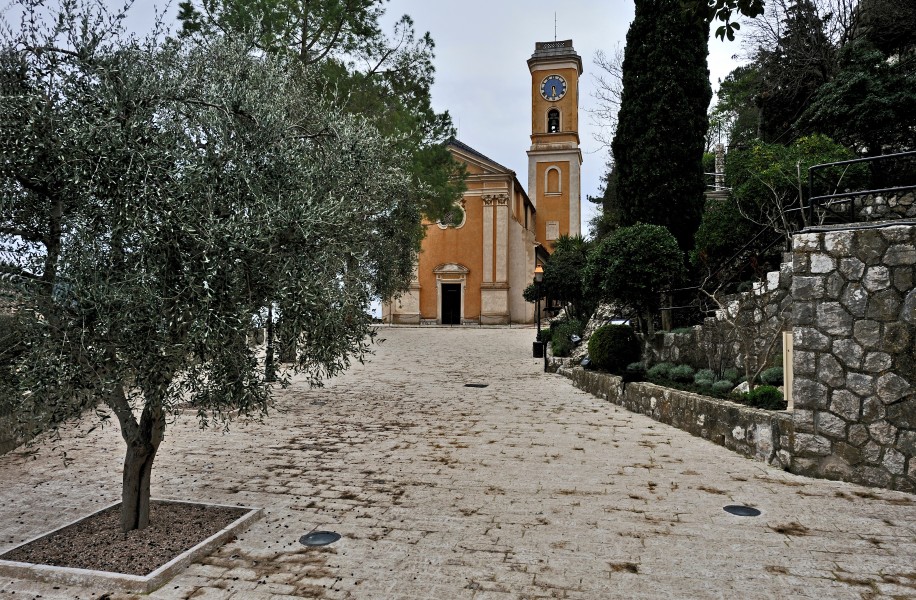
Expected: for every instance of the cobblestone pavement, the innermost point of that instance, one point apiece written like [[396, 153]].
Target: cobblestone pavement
[[527, 488]]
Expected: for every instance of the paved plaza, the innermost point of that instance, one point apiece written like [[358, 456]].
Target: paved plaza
[[526, 488]]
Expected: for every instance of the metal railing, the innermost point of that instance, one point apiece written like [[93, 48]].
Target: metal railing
[[888, 174]]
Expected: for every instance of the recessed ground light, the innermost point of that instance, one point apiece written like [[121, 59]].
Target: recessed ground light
[[476, 385], [319, 538], [741, 511]]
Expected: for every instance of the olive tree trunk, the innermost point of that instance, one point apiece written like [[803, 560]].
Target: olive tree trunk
[[142, 439]]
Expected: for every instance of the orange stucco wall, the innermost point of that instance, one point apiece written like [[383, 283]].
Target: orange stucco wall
[[462, 245]]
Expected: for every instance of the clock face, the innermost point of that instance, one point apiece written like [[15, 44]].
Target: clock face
[[553, 88]]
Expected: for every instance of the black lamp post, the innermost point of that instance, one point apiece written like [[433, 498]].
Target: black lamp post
[[539, 344]]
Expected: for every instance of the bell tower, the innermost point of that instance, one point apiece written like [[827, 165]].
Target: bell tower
[[554, 159]]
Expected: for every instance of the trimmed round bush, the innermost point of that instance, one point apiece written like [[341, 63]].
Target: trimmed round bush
[[772, 376], [704, 375], [731, 374], [767, 397], [682, 374], [613, 347], [723, 386], [703, 384], [660, 371]]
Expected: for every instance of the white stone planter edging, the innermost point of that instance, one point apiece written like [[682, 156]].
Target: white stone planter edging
[[141, 584]]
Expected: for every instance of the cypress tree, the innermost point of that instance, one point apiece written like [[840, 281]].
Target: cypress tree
[[661, 129]]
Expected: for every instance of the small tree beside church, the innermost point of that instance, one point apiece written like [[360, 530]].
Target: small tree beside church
[[633, 266]]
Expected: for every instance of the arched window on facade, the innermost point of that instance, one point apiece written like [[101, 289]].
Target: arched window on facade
[[553, 180], [553, 121]]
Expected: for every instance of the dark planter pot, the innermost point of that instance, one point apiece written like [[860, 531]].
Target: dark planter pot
[[537, 349]]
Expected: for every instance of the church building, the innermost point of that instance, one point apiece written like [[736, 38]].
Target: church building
[[474, 271]]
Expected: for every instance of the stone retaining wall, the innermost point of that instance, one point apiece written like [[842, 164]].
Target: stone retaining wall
[[855, 355], [759, 434]]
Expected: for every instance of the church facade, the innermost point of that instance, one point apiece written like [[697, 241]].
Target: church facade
[[474, 271]]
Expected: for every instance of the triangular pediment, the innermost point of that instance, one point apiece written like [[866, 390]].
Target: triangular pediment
[[451, 268]]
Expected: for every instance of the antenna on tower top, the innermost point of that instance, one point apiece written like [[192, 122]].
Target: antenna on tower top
[[554, 26]]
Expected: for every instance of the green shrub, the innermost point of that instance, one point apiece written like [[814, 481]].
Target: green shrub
[[613, 347], [635, 372], [660, 371], [682, 374], [723, 386], [765, 396], [704, 375], [731, 374], [560, 332], [703, 384], [772, 376]]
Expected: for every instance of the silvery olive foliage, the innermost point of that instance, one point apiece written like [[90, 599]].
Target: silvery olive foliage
[[155, 196]]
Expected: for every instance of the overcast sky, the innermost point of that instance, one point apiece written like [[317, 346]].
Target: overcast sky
[[482, 78]]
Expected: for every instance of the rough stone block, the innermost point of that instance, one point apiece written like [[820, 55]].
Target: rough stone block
[[892, 387], [903, 278], [834, 285], [884, 306], [873, 476], [849, 454], [860, 384], [896, 338], [908, 313], [899, 234], [830, 425], [867, 333], [809, 394], [901, 254], [894, 462], [845, 404], [809, 338], [851, 268], [800, 263], [804, 314], [876, 362], [873, 410], [903, 414], [877, 278], [838, 242], [906, 443], [870, 246], [803, 422], [807, 444], [871, 452], [830, 372], [822, 263], [807, 288], [882, 432], [858, 434], [805, 363], [832, 318], [806, 242], [854, 299], [849, 353]]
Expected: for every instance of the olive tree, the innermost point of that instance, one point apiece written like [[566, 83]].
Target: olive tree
[[156, 196]]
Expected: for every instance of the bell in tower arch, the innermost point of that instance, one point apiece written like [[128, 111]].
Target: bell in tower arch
[[553, 121]]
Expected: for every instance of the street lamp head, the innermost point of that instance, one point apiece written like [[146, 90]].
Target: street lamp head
[[538, 273]]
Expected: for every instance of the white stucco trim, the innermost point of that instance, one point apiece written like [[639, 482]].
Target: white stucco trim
[[559, 171]]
